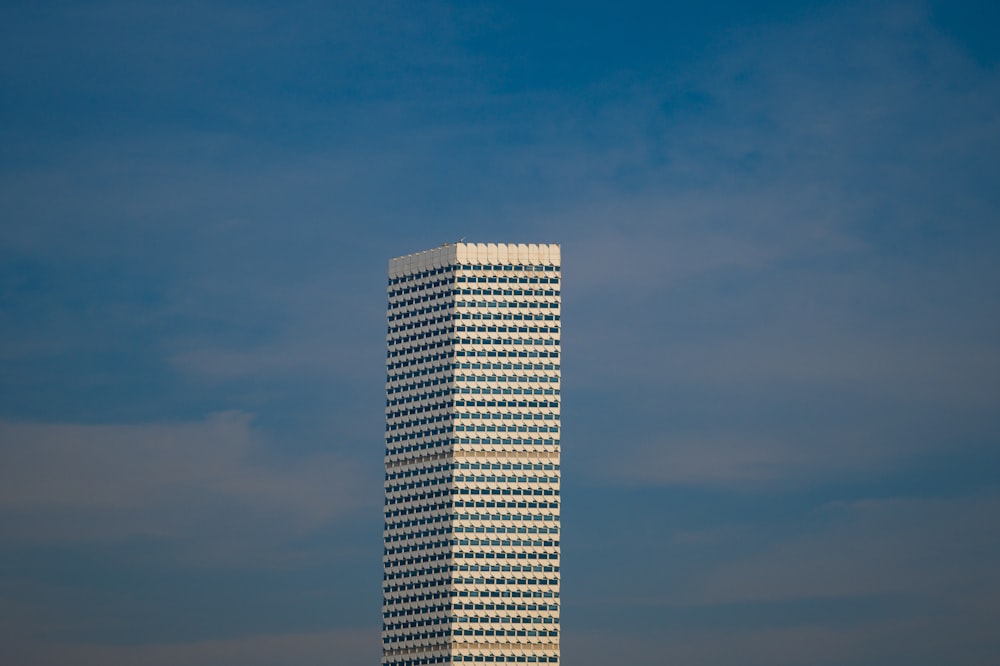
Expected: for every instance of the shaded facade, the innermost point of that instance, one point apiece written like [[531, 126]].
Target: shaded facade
[[471, 542]]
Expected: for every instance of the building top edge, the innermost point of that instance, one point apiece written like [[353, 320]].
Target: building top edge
[[450, 254]]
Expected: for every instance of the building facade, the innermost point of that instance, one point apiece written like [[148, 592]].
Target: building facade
[[471, 556]]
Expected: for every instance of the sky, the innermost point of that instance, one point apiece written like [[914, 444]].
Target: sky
[[781, 317]]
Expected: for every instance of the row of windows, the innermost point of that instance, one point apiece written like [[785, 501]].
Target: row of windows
[[511, 518], [421, 360], [508, 342], [504, 504], [397, 626], [421, 471], [433, 432], [393, 526], [505, 479], [499, 529], [391, 563], [506, 354], [411, 277], [420, 599], [390, 588], [506, 556], [506, 279], [438, 331], [508, 267], [479, 606], [500, 593], [506, 580], [471, 567], [401, 635], [444, 608], [506, 517], [505, 365], [425, 508], [518, 299], [485, 390], [418, 286], [512, 568], [410, 485], [504, 416], [396, 304], [407, 562], [524, 404], [488, 658], [514, 305], [402, 297], [394, 422], [442, 400], [427, 599], [426, 331], [470, 465], [480, 316], [448, 342], [452, 322], [449, 531], [507, 329], [421, 396], [415, 391], [395, 488], [502, 428], [434, 435], [466, 594], [422, 372], [477, 555], [480, 291], [481, 416], [421, 324], [448, 270], [415, 281], [425, 583], [508, 379], [480, 504], [506, 492], [516, 492], [431, 478], [415, 313], [472, 365], [514, 391], [525, 466], [414, 624], [433, 398], [436, 546], [446, 330]]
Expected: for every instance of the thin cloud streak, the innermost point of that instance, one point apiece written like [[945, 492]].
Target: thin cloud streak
[[348, 647], [212, 487]]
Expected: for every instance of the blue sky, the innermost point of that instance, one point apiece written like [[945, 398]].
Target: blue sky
[[781, 317]]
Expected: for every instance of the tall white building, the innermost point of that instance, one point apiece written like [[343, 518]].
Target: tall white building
[[471, 558]]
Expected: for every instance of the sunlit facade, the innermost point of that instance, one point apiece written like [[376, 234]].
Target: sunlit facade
[[471, 557]]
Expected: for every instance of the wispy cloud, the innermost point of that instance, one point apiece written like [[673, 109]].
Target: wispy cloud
[[936, 552], [860, 582], [210, 488], [347, 647]]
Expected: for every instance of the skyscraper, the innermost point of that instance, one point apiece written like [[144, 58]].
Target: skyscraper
[[471, 557]]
